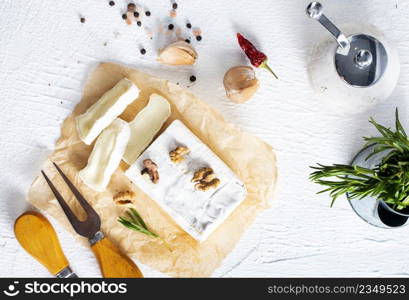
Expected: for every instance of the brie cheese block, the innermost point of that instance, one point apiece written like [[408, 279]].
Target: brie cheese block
[[105, 110], [197, 212], [146, 125], [106, 155]]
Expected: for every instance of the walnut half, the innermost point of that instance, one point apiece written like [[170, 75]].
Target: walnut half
[[150, 170], [205, 179], [178, 155], [124, 197]]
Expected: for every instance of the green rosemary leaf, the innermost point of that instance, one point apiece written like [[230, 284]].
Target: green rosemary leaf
[[132, 218], [135, 222], [138, 218], [136, 227], [398, 125]]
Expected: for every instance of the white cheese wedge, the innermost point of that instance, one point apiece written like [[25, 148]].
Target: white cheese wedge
[[105, 110], [106, 155], [146, 125], [198, 213]]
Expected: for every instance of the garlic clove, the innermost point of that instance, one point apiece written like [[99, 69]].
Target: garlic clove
[[240, 83], [178, 53]]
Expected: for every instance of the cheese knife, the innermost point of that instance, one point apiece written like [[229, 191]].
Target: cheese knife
[[37, 236]]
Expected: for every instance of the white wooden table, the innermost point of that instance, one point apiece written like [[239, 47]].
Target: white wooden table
[[46, 54]]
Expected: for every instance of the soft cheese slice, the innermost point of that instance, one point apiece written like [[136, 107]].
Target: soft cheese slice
[[106, 155], [146, 125], [105, 110], [198, 213]]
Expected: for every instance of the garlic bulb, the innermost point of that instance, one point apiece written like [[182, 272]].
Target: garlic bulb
[[178, 53], [240, 83]]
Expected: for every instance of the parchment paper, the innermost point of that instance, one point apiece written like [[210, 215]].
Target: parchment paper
[[250, 158]]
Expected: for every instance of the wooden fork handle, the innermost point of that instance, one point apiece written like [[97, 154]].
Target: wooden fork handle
[[112, 262]]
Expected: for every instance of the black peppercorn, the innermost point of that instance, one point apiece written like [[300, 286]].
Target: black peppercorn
[[82, 20], [111, 3], [124, 16], [147, 13], [188, 25], [143, 51], [187, 41], [136, 14], [175, 5], [199, 38], [192, 78], [170, 26], [139, 23]]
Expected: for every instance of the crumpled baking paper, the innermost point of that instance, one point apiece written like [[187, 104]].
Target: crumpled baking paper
[[249, 157]]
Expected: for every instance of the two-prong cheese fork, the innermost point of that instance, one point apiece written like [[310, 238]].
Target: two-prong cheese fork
[[112, 262]]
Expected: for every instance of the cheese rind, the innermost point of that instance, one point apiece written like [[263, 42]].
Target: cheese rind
[[146, 125], [101, 114], [106, 155], [198, 213]]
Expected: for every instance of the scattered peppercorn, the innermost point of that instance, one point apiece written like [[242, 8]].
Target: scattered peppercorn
[[148, 13], [175, 5], [188, 25], [143, 51], [192, 78], [199, 38], [136, 14], [139, 23], [170, 26], [111, 3], [131, 6], [124, 16], [82, 20], [187, 41]]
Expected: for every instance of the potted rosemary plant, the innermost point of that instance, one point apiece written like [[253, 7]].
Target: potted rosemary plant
[[377, 181]]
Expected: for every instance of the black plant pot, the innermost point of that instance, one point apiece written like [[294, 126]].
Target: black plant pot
[[372, 210]]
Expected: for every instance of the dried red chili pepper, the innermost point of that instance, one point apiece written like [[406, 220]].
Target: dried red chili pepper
[[257, 58]]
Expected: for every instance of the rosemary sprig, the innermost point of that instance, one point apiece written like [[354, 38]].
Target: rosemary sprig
[[388, 181], [136, 223]]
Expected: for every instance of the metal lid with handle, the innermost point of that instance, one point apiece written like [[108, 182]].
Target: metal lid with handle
[[360, 59]]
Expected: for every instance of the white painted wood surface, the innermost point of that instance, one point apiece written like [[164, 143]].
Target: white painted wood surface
[[46, 53]]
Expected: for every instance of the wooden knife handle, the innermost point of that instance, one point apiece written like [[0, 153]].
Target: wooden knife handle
[[37, 236], [112, 262]]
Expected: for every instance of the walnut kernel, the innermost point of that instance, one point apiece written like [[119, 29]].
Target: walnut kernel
[[199, 174], [205, 179], [124, 197], [178, 155], [150, 170]]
